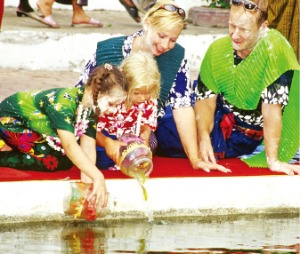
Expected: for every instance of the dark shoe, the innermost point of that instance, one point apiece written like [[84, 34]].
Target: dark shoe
[[132, 10], [23, 10], [30, 14]]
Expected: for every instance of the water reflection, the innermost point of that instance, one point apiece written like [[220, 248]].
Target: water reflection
[[238, 236]]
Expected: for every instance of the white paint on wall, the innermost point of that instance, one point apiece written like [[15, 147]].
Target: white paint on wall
[[64, 58]]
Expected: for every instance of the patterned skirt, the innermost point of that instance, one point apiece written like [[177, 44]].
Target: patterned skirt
[[30, 151]]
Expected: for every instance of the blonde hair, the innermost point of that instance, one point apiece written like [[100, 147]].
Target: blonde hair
[[161, 19], [141, 70]]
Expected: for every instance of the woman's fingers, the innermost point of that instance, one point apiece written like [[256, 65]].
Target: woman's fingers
[[208, 166], [284, 167]]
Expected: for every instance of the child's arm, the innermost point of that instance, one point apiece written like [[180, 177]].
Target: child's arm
[[145, 134], [84, 158], [112, 147]]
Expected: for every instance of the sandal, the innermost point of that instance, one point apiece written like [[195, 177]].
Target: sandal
[[132, 10], [91, 23], [46, 21], [49, 21]]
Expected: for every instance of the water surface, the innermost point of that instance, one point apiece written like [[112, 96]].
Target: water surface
[[196, 235]]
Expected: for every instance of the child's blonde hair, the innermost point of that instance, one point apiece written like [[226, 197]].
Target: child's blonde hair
[[141, 70]]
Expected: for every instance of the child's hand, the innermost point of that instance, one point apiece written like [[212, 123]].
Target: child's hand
[[145, 134], [98, 194], [113, 149]]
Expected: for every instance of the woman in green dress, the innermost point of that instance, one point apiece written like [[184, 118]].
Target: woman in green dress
[[54, 129]]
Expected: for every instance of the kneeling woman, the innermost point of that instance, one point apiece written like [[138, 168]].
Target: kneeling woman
[[54, 129]]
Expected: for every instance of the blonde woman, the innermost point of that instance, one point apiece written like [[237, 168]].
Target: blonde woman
[[137, 114], [162, 26]]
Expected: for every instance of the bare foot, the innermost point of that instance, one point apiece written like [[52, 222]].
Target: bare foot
[[80, 18]]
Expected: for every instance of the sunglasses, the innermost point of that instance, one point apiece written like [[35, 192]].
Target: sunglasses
[[248, 5], [171, 8]]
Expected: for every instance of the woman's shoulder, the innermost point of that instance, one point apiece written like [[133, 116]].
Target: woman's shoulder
[[112, 41]]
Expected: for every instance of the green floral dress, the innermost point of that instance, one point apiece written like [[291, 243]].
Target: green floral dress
[[29, 123]]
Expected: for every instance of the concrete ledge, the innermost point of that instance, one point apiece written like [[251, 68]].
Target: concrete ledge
[[168, 197]]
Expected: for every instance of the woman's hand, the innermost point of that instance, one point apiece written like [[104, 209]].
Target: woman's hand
[[284, 167], [208, 166], [206, 151]]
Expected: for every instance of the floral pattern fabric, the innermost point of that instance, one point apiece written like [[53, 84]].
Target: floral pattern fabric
[[31, 152], [125, 121]]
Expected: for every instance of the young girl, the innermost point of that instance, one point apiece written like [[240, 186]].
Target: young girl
[[140, 108], [53, 129]]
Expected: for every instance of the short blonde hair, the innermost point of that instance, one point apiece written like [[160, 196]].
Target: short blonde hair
[[162, 20], [141, 70]]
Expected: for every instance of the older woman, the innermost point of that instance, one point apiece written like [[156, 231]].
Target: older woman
[[162, 25]]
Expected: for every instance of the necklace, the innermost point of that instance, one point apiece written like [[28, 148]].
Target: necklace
[[138, 123], [79, 129], [81, 123]]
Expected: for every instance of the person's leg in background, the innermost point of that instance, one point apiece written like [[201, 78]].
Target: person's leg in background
[[131, 9], [24, 8], [284, 16], [45, 7], [79, 15], [143, 5], [81, 18], [1, 12]]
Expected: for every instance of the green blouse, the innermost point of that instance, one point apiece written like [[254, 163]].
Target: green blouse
[[43, 111]]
